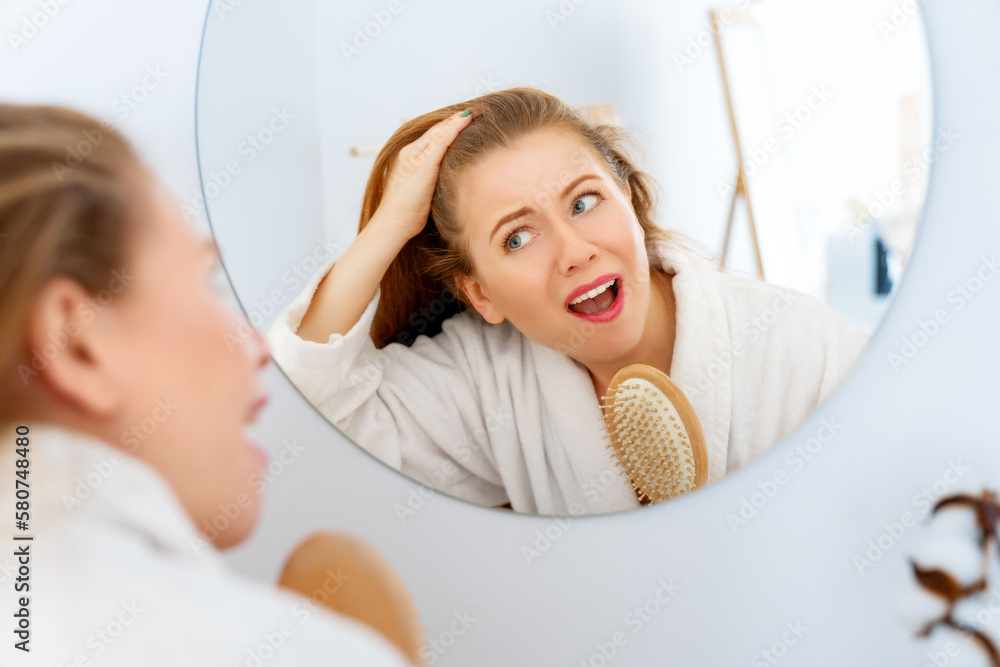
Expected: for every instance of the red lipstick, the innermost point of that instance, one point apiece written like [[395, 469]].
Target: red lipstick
[[607, 315]]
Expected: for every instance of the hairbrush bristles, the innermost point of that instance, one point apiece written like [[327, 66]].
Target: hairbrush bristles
[[655, 434]]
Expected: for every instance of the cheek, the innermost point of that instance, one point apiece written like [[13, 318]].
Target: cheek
[[628, 232], [629, 246], [200, 362], [527, 285], [207, 338]]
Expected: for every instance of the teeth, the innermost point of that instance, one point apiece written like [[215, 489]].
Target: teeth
[[592, 293]]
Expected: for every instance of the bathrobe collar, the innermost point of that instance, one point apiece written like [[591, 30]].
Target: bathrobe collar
[[80, 477], [701, 346]]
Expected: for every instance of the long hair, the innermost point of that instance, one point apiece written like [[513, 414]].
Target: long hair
[[64, 210], [419, 291]]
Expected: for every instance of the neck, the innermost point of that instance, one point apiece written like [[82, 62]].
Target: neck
[[656, 346]]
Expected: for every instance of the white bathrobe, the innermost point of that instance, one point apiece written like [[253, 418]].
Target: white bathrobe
[[482, 412], [119, 575]]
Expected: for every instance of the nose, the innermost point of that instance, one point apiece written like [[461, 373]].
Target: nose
[[263, 349], [256, 347], [574, 250]]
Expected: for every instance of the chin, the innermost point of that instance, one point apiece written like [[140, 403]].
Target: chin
[[239, 528], [235, 510]]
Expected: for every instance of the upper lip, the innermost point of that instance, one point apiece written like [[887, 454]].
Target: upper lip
[[256, 407], [583, 289]]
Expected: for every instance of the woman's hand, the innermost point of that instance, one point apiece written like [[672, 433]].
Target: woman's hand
[[345, 291], [406, 202]]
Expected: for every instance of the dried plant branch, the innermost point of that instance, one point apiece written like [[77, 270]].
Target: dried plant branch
[[946, 586]]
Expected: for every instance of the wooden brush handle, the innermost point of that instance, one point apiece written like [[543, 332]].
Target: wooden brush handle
[[349, 576]]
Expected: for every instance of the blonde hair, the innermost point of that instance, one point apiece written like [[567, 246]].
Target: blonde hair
[[420, 281], [66, 182]]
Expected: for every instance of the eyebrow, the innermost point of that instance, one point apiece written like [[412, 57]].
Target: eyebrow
[[525, 210]]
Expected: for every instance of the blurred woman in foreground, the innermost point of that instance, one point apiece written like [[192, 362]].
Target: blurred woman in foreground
[[123, 399]]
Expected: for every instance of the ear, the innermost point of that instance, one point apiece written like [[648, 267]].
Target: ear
[[480, 300], [70, 348], [628, 193]]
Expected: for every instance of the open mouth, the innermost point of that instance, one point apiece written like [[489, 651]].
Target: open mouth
[[597, 300]]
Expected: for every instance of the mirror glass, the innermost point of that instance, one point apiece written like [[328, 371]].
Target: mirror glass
[[790, 143]]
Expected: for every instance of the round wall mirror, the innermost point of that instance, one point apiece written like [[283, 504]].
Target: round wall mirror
[[786, 148]]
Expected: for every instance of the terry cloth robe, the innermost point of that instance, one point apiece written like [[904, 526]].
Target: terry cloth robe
[[481, 412], [120, 576]]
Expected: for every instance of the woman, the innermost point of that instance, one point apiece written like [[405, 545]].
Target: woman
[[507, 265], [123, 402]]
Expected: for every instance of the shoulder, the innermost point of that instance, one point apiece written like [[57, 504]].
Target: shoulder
[[754, 307], [753, 304], [785, 333], [752, 294], [468, 333], [783, 308]]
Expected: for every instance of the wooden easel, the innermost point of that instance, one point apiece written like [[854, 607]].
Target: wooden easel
[[741, 178]]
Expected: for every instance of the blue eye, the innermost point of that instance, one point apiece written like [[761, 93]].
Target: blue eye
[[513, 242], [580, 205]]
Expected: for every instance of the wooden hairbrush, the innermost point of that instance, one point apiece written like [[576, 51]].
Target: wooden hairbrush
[[655, 433], [352, 578]]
